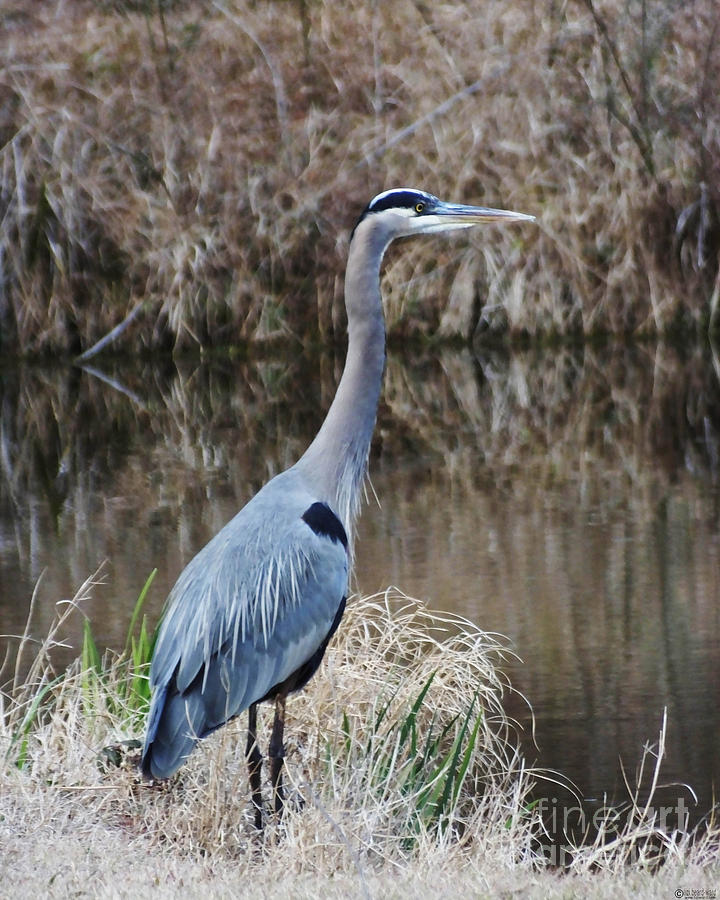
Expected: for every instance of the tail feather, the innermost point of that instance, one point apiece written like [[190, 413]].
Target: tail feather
[[176, 722]]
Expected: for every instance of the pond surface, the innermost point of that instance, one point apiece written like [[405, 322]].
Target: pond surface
[[567, 499]]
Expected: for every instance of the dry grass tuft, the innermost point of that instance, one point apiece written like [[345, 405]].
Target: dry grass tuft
[[359, 757], [75, 816], [205, 158]]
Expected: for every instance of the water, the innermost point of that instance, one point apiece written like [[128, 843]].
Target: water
[[568, 500]]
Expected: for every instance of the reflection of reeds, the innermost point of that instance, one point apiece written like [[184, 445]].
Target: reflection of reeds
[[204, 159], [641, 413], [203, 438]]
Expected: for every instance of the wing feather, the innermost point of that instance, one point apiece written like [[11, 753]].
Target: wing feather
[[249, 610]]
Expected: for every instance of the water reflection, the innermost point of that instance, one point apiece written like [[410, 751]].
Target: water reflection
[[567, 499]]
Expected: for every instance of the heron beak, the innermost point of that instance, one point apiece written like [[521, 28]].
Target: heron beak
[[441, 216], [458, 215]]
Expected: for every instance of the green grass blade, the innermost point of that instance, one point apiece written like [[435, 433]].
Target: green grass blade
[[409, 723], [138, 608], [454, 758], [91, 659], [462, 771], [434, 802], [30, 716], [346, 733]]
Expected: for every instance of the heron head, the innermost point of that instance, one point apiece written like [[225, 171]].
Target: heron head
[[407, 211]]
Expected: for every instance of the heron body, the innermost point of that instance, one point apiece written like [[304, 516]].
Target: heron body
[[251, 615]]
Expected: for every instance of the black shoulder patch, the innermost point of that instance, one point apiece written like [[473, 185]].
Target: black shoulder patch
[[323, 521]]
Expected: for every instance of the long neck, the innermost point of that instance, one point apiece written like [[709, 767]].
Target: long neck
[[336, 461]]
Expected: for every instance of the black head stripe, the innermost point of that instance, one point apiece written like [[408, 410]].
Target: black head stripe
[[324, 522], [396, 200]]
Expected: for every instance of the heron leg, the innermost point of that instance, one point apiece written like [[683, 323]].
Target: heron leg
[[254, 758], [277, 753]]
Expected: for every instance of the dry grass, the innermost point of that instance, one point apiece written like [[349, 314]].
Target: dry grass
[[71, 822], [209, 163]]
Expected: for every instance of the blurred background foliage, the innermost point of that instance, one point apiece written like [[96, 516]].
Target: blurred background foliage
[[206, 161]]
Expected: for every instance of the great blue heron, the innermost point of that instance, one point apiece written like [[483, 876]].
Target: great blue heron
[[251, 615]]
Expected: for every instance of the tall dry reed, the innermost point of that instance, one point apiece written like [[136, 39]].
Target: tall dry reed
[[208, 162]]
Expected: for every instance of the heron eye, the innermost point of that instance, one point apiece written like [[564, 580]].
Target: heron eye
[[419, 206]]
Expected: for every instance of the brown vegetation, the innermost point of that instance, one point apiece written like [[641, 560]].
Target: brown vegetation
[[207, 160], [76, 818]]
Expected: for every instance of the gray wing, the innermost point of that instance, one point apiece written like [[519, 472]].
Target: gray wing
[[253, 607]]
